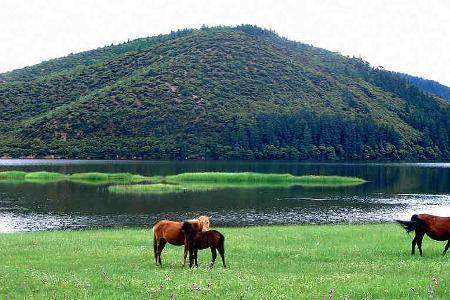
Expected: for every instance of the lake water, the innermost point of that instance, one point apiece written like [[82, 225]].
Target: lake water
[[394, 190]]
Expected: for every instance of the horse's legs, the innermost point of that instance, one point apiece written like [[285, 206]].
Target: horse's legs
[[417, 240], [191, 257], [214, 255], [446, 247], [161, 244], [419, 237], [185, 254], [155, 248], [222, 253], [414, 241], [195, 256]]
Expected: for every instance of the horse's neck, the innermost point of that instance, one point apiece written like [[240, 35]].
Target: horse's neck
[[195, 224]]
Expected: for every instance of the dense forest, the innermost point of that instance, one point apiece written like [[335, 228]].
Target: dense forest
[[218, 93], [429, 86]]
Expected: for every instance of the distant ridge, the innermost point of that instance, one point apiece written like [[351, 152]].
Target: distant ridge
[[429, 86], [218, 93]]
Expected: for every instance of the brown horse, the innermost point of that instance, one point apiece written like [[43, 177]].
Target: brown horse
[[169, 231], [437, 228]]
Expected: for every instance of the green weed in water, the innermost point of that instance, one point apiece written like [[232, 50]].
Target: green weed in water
[[262, 178], [14, 175], [44, 176]]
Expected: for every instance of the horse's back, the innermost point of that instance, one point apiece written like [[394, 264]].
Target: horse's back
[[437, 227], [170, 231], [217, 233], [432, 219]]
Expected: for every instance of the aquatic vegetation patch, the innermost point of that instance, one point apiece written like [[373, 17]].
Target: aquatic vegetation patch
[[262, 179], [157, 188], [96, 177], [217, 180], [44, 176], [91, 176], [147, 188], [85, 178], [200, 181], [13, 175]]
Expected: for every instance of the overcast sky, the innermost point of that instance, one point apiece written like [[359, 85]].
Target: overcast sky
[[411, 36]]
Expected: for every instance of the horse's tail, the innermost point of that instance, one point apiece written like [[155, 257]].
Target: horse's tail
[[155, 244], [221, 240], [412, 225], [221, 248]]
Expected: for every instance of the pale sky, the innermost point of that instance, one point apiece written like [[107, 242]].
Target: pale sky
[[410, 36]]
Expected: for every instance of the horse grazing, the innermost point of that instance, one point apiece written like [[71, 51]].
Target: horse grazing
[[437, 228], [170, 231], [201, 240]]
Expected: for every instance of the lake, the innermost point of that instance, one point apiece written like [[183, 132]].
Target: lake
[[394, 190]]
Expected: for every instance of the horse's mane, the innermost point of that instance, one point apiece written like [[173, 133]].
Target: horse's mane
[[197, 219]]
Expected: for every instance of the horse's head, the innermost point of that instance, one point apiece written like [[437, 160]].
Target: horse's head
[[204, 222]]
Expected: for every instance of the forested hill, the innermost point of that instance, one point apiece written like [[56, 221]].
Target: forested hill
[[218, 93], [429, 86]]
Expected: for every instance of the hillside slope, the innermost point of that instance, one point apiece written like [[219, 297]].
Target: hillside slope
[[429, 86], [220, 93]]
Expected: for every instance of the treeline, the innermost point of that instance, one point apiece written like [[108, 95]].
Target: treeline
[[299, 136], [307, 135]]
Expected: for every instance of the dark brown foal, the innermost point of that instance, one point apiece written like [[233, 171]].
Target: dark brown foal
[[195, 241]]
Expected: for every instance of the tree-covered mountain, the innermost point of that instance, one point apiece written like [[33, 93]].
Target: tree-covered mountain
[[220, 93], [429, 86]]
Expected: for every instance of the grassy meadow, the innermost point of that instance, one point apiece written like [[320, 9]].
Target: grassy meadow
[[264, 262]]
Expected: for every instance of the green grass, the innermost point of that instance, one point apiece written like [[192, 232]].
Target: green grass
[[103, 178], [262, 179], [92, 176], [277, 262], [43, 176], [157, 188], [85, 178], [216, 180], [202, 181], [12, 175]]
